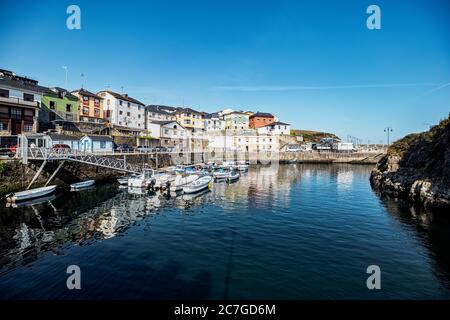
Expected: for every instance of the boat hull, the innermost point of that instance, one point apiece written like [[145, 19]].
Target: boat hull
[[82, 185], [30, 194], [197, 185]]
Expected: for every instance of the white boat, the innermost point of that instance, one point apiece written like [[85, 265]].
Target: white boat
[[221, 174], [233, 175], [161, 180], [144, 180], [82, 184], [30, 194], [181, 181], [198, 185], [123, 181]]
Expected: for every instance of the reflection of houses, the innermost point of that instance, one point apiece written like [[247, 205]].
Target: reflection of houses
[[20, 100], [91, 106], [58, 104], [91, 143], [276, 128], [170, 133], [260, 119]]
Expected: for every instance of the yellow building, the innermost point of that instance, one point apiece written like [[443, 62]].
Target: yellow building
[[190, 119], [91, 106]]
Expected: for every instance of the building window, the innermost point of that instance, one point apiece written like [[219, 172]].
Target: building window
[[4, 93], [85, 98], [128, 114], [16, 113], [52, 105], [120, 102], [139, 116], [85, 111], [68, 108], [28, 127], [103, 144], [120, 112], [28, 97], [3, 126], [128, 104], [97, 112]]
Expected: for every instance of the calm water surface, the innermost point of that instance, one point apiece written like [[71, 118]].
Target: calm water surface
[[293, 231]]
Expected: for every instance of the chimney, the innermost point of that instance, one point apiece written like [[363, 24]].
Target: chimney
[[125, 95]]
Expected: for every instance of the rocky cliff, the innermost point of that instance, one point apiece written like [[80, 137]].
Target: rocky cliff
[[417, 168]]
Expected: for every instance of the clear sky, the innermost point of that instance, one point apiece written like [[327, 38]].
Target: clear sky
[[312, 63]]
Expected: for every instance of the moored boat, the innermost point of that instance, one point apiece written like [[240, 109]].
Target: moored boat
[[30, 194], [181, 181], [198, 185], [221, 174], [144, 180], [233, 175], [82, 184]]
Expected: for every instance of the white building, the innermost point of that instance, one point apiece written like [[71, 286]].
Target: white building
[[276, 128], [91, 143], [214, 122], [122, 110], [170, 133], [159, 113]]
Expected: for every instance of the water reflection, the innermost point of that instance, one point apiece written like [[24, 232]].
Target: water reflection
[[319, 197]]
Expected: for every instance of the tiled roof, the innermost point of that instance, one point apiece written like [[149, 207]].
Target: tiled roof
[[99, 138], [262, 114], [276, 124], [84, 92], [122, 97]]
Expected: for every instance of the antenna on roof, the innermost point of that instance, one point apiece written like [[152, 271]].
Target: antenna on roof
[[82, 81], [65, 83], [121, 88]]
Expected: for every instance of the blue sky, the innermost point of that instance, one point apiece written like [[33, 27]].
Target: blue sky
[[312, 63]]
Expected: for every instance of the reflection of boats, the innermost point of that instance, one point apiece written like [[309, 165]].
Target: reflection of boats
[[32, 201], [192, 196], [198, 185], [139, 191], [143, 180], [82, 184], [181, 181], [233, 175], [30, 194], [242, 166]]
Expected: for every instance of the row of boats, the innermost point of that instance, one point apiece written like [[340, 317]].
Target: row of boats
[[188, 179]]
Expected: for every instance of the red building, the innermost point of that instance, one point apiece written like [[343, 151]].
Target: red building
[[260, 119]]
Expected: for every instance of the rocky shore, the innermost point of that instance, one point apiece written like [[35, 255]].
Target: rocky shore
[[417, 169]]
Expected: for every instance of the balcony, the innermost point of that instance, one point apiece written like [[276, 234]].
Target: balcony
[[19, 102]]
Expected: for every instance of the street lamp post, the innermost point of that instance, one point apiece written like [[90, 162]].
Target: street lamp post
[[388, 130]]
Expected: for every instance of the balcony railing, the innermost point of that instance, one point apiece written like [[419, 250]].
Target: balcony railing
[[19, 102]]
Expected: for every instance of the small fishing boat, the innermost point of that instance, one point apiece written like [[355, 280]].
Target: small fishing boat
[[123, 181], [181, 181], [144, 180], [82, 184], [221, 173], [198, 185], [161, 180], [233, 175], [30, 194]]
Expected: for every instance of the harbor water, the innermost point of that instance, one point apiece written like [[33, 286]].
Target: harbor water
[[297, 231]]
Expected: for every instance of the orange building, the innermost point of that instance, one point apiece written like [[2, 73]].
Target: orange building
[[91, 106], [260, 119]]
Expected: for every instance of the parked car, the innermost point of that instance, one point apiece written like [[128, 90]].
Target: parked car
[[124, 148], [293, 148], [61, 146]]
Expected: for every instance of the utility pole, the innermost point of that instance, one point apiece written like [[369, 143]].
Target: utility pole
[[388, 130]]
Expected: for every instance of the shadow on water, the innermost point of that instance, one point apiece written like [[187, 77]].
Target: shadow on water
[[432, 230]]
